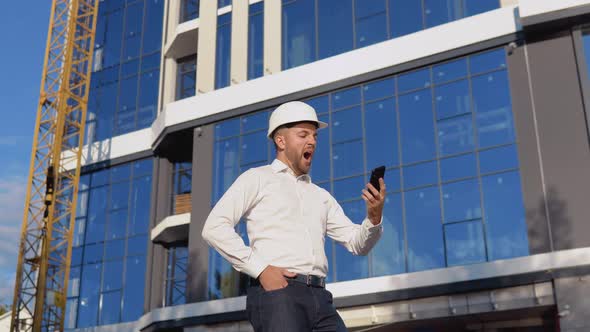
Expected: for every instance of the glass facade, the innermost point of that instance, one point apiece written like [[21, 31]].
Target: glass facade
[[446, 135], [317, 29], [186, 77], [181, 181], [109, 246], [255, 40], [223, 51], [124, 84]]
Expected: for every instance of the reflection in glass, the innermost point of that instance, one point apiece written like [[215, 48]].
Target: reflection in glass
[[388, 256], [461, 200], [465, 243]]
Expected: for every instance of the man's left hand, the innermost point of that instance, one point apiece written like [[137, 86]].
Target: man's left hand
[[374, 200]]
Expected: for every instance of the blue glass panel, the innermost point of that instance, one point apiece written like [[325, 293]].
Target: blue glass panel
[[347, 159], [346, 125], [223, 3], [223, 52], [334, 27], [140, 205], [152, 31], [225, 169], [255, 121], [416, 125], [458, 167], [320, 168], [112, 275], [114, 249], [344, 98], [256, 41], [381, 133], [133, 19], [82, 205], [74, 283], [150, 61], [487, 61], [89, 295], [136, 245], [134, 288], [349, 188], [99, 178], [131, 48], [130, 68], [76, 256], [474, 7], [120, 173], [117, 224], [498, 159], [110, 308], [220, 277], [93, 253], [143, 167], [506, 229], [95, 225], [113, 39], [423, 228], [393, 180], [461, 200], [128, 94], [119, 196], [420, 175], [371, 29], [364, 8], [465, 243], [254, 148], [379, 89], [419, 79], [227, 128], [455, 135], [298, 33], [321, 104], [148, 98], [494, 109], [388, 256], [325, 186], [452, 99], [405, 17], [438, 12], [349, 267], [449, 71]]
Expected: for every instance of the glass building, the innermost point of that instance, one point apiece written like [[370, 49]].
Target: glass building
[[477, 108]]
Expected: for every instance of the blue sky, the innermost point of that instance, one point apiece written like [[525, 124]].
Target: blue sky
[[23, 34]]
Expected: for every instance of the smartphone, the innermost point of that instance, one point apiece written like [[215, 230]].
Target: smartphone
[[377, 173]]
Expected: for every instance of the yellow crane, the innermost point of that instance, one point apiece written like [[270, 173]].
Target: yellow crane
[[50, 207]]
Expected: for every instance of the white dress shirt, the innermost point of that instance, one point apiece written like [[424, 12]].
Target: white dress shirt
[[287, 219]]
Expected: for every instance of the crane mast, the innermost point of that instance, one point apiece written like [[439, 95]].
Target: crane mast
[[45, 249]]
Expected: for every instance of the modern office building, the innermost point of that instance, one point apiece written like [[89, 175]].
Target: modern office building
[[476, 107]]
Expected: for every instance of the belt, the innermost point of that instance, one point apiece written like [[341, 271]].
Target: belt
[[309, 280]]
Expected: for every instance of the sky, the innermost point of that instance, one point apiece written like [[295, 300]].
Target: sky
[[23, 35]]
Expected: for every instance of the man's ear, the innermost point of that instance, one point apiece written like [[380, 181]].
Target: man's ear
[[280, 140]]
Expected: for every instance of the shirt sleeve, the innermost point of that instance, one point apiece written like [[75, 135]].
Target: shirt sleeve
[[219, 229], [358, 239]]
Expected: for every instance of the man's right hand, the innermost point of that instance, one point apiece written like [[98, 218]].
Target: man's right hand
[[273, 278]]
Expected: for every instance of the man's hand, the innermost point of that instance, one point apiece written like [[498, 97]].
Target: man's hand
[[374, 200], [273, 277]]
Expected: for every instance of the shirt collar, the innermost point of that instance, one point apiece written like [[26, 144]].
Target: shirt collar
[[279, 166]]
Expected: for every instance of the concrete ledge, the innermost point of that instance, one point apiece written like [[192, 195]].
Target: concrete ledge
[[172, 229], [536, 12]]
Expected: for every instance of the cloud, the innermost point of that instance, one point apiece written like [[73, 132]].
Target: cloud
[[12, 198]]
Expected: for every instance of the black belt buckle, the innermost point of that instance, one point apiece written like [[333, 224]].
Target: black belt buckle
[[308, 280]]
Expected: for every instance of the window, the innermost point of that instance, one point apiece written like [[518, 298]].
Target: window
[[186, 77], [223, 51], [110, 243], [176, 272], [223, 3], [446, 135], [317, 29], [256, 40], [124, 83], [181, 192], [189, 10]]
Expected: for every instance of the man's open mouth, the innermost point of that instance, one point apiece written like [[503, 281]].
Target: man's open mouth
[[307, 155]]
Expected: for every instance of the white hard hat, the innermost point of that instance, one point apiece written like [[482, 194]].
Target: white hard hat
[[293, 111]]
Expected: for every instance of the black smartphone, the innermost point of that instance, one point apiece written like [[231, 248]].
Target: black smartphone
[[376, 173]]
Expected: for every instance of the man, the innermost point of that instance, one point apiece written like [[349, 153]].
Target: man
[[287, 219]]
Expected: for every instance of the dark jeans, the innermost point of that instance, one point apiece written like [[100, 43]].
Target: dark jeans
[[296, 308]]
